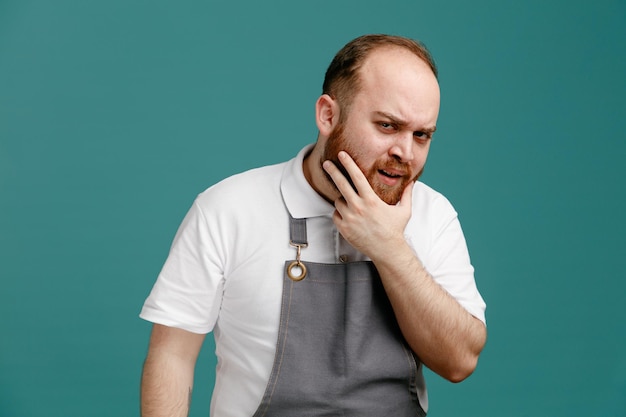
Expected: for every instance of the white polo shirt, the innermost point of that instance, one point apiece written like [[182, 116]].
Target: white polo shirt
[[225, 268]]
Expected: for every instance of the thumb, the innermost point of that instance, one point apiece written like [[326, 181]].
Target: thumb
[[407, 195]]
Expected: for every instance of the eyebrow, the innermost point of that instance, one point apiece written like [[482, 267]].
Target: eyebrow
[[398, 121]]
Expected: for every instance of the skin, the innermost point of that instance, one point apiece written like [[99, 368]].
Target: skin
[[387, 131], [392, 118], [167, 380]]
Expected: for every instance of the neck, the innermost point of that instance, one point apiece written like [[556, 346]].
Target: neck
[[316, 176]]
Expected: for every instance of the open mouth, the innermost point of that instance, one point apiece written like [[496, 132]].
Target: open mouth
[[388, 174], [388, 178]]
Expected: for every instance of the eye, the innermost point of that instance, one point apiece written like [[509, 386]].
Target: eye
[[387, 126], [422, 136]]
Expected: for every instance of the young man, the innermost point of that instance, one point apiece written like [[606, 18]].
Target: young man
[[328, 280]]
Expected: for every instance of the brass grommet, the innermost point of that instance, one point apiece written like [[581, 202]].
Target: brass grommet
[[302, 271]]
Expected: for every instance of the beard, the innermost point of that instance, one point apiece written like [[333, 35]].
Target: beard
[[390, 194]]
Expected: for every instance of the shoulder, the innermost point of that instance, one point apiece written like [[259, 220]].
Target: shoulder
[[433, 216], [428, 200], [247, 188]]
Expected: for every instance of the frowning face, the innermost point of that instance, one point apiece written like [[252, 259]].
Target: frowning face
[[390, 122]]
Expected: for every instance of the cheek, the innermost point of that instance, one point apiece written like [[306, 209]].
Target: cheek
[[421, 155]]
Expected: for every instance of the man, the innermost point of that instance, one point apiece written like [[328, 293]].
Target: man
[[330, 279]]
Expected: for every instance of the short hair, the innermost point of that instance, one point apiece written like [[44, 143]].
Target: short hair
[[342, 80]]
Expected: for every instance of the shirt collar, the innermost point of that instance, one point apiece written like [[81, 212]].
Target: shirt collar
[[301, 199]]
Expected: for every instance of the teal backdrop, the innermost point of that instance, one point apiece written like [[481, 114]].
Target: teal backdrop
[[115, 114]]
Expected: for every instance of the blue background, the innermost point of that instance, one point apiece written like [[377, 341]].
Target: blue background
[[114, 115]]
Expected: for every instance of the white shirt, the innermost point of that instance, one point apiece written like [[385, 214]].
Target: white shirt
[[225, 268]]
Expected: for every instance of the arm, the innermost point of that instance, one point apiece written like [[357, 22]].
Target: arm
[[167, 379], [446, 337]]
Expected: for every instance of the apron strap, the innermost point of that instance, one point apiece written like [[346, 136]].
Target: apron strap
[[297, 232], [296, 270]]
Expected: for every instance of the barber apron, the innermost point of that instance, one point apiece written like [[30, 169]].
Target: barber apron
[[340, 351]]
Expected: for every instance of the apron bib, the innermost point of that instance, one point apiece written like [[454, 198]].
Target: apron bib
[[340, 351]]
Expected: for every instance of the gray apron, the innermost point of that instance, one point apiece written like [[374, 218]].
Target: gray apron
[[340, 351]]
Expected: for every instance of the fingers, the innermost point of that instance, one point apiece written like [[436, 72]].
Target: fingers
[[342, 183]]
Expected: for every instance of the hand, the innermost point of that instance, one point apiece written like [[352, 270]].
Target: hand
[[363, 219]]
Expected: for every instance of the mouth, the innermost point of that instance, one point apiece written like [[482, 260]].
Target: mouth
[[388, 174], [388, 177]]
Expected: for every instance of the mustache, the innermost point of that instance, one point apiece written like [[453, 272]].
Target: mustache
[[394, 165]]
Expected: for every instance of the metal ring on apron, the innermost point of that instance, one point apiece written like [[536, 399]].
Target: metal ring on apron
[[290, 268], [297, 262]]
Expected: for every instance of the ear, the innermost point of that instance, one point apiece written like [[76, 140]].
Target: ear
[[326, 114]]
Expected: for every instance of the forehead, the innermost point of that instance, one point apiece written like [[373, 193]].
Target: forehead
[[394, 80]]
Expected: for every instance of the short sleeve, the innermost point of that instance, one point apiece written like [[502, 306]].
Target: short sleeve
[[187, 293]]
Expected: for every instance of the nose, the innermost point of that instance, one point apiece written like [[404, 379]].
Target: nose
[[402, 148]]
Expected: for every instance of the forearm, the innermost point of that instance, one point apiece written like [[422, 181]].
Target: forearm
[[168, 371], [445, 336], [166, 386]]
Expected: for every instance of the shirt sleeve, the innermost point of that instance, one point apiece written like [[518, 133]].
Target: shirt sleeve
[[188, 290]]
